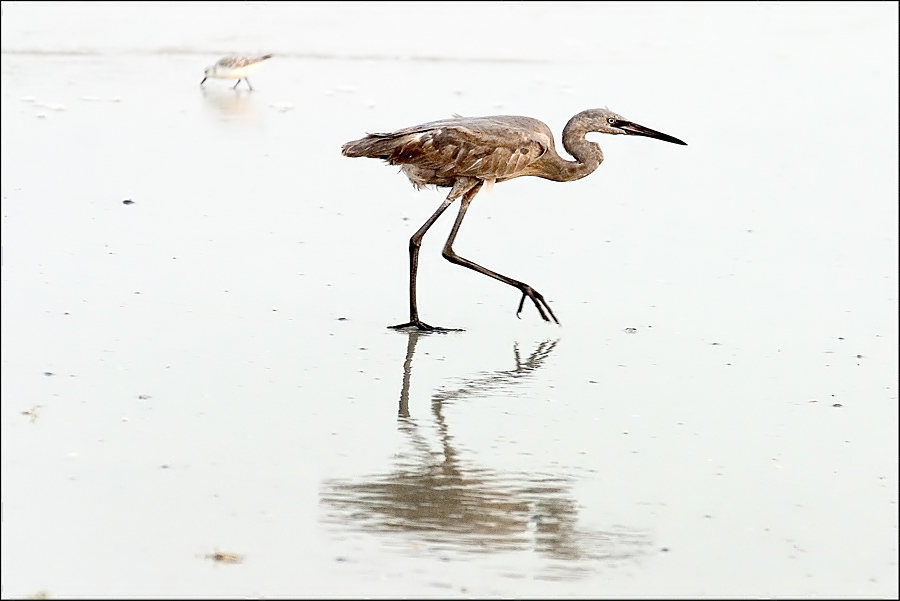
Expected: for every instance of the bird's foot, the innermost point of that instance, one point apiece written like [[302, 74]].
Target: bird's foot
[[538, 299], [422, 326]]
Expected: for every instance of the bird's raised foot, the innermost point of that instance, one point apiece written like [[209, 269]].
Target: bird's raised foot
[[538, 299], [422, 326]]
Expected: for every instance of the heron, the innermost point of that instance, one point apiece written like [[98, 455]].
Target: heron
[[235, 66], [468, 154]]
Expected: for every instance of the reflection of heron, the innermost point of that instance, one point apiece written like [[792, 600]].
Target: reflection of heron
[[466, 154], [443, 498], [485, 383], [236, 66]]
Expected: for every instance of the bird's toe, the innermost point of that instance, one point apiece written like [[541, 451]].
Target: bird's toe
[[422, 327]]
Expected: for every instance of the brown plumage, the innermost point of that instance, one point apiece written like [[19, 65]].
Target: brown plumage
[[464, 154]]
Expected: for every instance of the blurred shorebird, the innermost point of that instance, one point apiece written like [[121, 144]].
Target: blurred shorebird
[[236, 66], [467, 154]]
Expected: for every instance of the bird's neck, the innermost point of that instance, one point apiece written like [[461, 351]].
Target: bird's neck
[[588, 155]]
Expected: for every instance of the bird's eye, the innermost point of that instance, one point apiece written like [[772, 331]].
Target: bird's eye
[[611, 120]]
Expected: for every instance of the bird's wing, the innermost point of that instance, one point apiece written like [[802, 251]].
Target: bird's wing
[[482, 148], [236, 61], [233, 61]]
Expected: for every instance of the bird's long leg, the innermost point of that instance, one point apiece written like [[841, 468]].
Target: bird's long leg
[[248, 83], [234, 87], [526, 290], [415, 243]]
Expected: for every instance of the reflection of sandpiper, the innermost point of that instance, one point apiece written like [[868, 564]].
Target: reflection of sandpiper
[[236, 66]]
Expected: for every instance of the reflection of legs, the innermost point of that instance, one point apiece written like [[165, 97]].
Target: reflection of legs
[[415, 243], [525, 289], [407, 374]]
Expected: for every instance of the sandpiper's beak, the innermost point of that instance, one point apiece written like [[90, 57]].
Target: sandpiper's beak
[[204, 79], [633, 129]]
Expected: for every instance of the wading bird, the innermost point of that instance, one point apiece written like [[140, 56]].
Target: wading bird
[[467, 154], [237, 66]]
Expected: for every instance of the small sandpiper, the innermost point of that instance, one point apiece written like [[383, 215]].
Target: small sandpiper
[[237, 66]]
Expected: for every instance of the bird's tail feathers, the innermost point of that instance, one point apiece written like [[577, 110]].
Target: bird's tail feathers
[[375, 146]]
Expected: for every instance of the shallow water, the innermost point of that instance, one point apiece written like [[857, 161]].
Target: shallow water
[[207, 369]]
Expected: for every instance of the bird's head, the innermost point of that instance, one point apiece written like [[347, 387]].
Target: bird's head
[[210, 71], [607, 122]]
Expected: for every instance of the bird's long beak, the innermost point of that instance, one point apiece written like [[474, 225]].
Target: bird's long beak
[[633, 129], [204, 79]]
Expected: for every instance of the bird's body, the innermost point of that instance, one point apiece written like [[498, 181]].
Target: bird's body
[[236, 66], [436, 153], [465, 154]]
